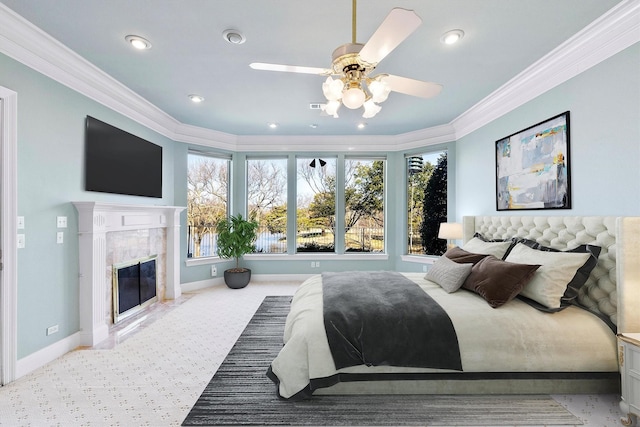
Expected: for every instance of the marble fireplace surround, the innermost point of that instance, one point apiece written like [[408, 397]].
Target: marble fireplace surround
[[95, 220]]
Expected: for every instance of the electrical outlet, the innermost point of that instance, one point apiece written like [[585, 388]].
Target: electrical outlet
[[313, 264], [52, 329], [424, 268], [214, 271], [318, 264]]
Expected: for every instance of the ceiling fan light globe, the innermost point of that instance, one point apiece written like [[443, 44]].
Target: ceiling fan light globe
[[370, 109], [353, 98], [332, 108], [379, 91], [332, 89]]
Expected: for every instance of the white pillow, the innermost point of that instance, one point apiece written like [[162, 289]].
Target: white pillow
[[478, 246], [449, 274], [550, 281]]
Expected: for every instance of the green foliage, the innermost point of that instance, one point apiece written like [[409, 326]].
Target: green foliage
[[276, 219], [435, 209], [365, 198], [322, 209], [236, 237]]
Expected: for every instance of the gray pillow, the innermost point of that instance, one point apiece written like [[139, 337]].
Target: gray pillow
[[449, 274]]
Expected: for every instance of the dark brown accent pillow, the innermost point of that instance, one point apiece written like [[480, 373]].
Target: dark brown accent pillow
[[461, 256], [497, 281]]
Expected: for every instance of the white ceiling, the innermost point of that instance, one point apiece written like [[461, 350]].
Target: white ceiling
[[189, 55]]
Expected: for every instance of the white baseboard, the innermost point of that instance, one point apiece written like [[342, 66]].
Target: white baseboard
[[48, 354], [280, 277], [255, 278], [201, 284]]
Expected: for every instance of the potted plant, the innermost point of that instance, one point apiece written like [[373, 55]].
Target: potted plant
[[236, 237]]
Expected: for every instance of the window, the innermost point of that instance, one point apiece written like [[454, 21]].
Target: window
[[207, 201], [267, 202], [427, 202], [364, 205], [316, 205]]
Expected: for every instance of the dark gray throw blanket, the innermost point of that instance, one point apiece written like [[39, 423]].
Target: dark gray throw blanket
[[383, 318]]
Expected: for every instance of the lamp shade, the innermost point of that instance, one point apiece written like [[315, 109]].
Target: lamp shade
[[450, 231]]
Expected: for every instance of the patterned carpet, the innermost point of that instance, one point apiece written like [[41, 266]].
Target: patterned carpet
[[241, 394]]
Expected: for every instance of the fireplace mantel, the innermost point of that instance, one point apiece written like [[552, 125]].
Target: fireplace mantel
[[95, 220]]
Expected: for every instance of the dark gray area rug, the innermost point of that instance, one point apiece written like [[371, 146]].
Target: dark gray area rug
[[241, 394]]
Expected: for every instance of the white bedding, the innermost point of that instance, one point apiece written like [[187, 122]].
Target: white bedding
[[512, 338]]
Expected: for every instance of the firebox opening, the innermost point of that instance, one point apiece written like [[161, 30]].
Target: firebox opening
[[134, 287]]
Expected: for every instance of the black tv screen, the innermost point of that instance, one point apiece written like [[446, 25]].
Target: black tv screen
[[121, 163]]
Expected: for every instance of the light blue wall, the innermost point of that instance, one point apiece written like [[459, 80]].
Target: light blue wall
[[604, 102], [51, 123]]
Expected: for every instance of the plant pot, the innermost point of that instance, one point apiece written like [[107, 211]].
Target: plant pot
[[237, 278]]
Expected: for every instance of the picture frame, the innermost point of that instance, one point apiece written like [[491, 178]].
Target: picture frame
[[533, 167]]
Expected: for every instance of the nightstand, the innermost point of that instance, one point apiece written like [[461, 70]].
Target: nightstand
[[629, 357]]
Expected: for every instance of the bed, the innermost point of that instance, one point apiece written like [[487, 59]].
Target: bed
[[519, 345]]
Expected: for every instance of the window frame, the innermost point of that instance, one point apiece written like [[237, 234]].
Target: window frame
[[190, 259]]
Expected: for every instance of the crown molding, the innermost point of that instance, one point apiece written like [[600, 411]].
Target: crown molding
[[611, 33], [614, 31]]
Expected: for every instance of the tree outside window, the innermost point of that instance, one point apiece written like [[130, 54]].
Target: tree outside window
[[427, 202], [267, 202], [316, 205], [364, 205], [207, 202]]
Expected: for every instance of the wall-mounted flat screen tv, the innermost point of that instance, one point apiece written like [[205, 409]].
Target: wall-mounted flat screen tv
[[121, 163]]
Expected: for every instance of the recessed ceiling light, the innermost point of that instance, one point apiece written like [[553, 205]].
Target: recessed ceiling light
[[361, 125], [313, 125], [138, 42], [196, 98], [451, 37], [273, 125], [233, 36]]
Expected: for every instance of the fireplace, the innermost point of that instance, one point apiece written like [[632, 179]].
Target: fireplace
[[99, 224], [134, 287]]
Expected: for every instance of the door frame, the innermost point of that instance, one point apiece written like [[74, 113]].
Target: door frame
[[8, 235]]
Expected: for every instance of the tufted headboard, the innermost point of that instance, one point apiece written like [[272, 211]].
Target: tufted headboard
[[613, 288]]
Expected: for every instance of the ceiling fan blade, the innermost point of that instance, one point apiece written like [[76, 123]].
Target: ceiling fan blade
[[290, 68], [412, 87], [396, 27]]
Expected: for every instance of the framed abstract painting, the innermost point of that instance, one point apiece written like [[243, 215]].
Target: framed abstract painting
[[532, 167]]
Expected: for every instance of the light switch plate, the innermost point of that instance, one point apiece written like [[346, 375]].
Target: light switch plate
[[21, 241], [61, 221], [20, 222], [59, 237]]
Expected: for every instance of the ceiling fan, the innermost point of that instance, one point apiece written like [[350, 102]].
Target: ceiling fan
[[352, 64]]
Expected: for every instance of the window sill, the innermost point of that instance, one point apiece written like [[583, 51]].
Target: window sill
[[420, 259], [369, 256], [191, 262], [315, 256]]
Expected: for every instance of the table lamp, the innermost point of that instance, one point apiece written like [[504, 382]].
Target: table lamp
[[450, 231]]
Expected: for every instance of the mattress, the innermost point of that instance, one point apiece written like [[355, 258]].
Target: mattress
[[513, 338]]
